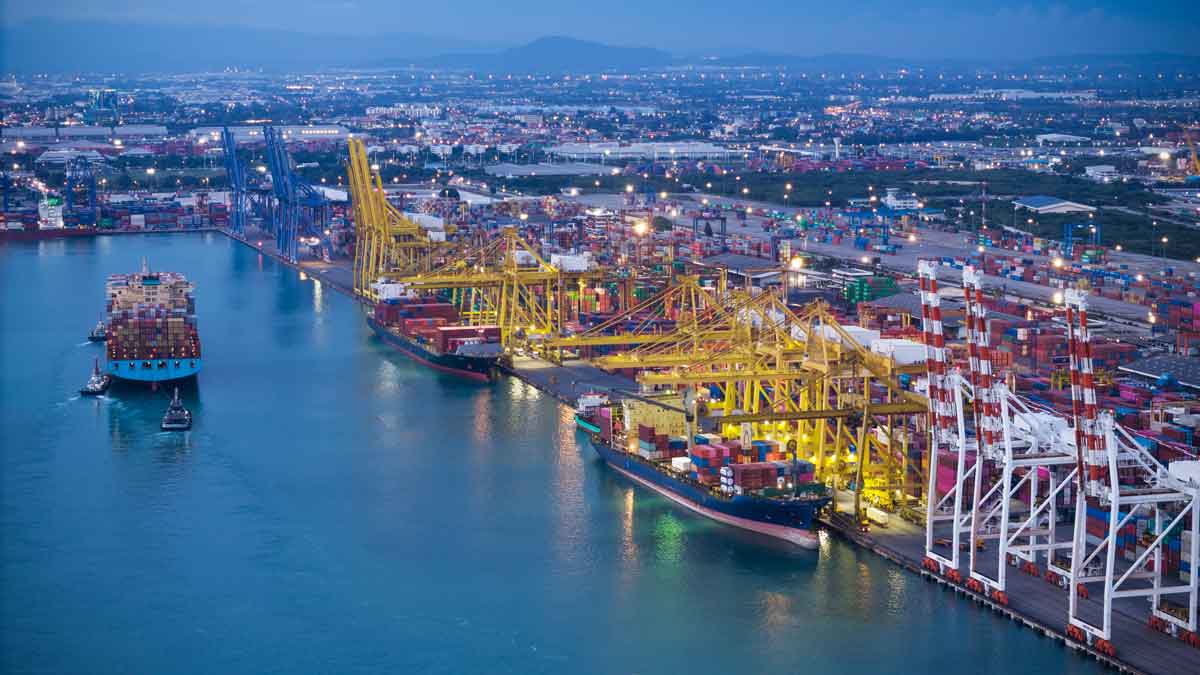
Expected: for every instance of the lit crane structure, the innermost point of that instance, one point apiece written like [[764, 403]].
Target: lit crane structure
[[1187, 137], [1016, 467], [801, 380], [387, 244], [503, 283], [714, 332], [1014, 446], [81, 177], [685, 304], [236, 175], [300, 208], [1069, 236], [1117, 477]]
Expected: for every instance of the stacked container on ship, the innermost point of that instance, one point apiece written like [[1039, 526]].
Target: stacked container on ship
[[152, 335], [430, 332], [748, 483]]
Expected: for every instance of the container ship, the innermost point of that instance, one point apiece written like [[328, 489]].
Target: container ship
[[429, 332], [755, 485], [151, 327]]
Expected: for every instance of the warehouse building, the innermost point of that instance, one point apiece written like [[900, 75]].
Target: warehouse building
[[1042, 204], [254, 134], [148, 132], [689, 150]]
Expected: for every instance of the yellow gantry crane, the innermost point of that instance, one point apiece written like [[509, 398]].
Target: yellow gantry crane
[[802, 381], [1187, 137], [504, 283], [387, 244], [686, 304]]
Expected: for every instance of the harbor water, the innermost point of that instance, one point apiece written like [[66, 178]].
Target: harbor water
[[339, 508]]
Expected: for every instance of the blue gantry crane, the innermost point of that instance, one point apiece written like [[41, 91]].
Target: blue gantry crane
[[81, 177], [300, 208], [1069, 236], [237, 183]]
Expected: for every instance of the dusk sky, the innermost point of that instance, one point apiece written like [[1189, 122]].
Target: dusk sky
[[924, 28]]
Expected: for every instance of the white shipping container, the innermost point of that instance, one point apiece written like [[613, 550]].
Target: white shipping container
[[569, 263], [1186, 470], [877, 516], [903, 352], [391, 291], [863, 336], [681, 464]]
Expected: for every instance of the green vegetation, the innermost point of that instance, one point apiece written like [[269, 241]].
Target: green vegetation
[[814, 188], [1136, 233]]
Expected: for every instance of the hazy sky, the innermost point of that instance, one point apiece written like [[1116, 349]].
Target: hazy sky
[[921, 28]]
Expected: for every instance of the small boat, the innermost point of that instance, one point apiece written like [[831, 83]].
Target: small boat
[[98, 383], [177, 417], [99, 333]]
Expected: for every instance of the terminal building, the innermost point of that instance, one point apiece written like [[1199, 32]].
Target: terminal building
[[1042, 204], [292, 133], [144, 132], [689, 150]]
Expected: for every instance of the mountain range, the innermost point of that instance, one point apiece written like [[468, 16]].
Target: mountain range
[[131, 48]]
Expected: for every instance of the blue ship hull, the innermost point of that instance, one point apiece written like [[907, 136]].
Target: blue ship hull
[[159, 370], [787, 519]]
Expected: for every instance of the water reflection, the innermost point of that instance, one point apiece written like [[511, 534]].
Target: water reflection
[[668, 538], [318, 297], [897, 591], [629, 548], [571, 523], [777, 613]]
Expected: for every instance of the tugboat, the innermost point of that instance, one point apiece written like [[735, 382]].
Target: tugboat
[[98, 383], [99, 333], [177, 417]]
